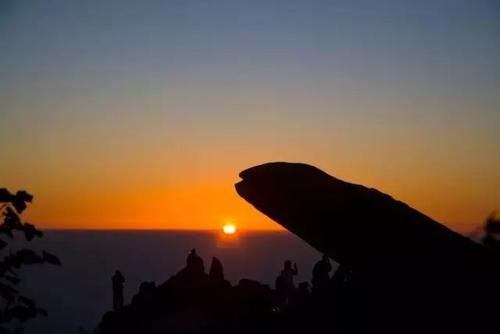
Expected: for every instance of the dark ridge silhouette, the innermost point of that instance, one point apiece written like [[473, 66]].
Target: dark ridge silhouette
[[193, 301], [400, 271]]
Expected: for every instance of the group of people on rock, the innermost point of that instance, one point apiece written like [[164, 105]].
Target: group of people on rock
[[285, 282], [285, 285]]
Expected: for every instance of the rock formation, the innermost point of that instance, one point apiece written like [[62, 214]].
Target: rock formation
[[193, 301], [407, 271]]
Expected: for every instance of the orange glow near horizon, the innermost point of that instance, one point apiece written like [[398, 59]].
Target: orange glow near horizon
[[200, 198], [190, 207]]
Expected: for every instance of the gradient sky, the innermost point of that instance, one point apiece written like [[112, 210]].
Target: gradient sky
[[140, 114]]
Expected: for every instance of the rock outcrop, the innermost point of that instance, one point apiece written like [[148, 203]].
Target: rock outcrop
[[408, 273], [193, 301]]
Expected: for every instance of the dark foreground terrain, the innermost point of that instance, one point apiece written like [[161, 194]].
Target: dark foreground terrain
[[194, 301], [79, 292]]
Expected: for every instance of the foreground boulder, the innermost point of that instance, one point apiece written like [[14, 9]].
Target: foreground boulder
[[407, 272]]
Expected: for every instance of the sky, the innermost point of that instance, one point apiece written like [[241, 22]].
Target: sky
[[140, 114]]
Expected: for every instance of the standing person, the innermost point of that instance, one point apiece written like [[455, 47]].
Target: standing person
[[321, 273], [287, 280], [117, 281], [288, 272]]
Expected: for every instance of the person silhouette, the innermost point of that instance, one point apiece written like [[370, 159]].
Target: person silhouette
[[288, 273], [117, 281], [285, 282], [321, 273], [491, 238]]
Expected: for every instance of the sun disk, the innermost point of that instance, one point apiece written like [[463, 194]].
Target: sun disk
[[229, 229]]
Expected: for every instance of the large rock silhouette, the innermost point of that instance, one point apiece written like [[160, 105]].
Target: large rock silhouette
[[409, 272]]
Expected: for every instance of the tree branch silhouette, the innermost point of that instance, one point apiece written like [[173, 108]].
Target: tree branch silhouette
[[17, 306]]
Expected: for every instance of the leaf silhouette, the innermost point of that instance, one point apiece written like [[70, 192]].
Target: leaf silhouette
[[41, 311], [27, 301], [24, 196], [5, 195], [30, 231], [22, 313], [19, 205], [20, 200], [12, 279], [27, 256], [14, 305], [50, 258], [7, 292]]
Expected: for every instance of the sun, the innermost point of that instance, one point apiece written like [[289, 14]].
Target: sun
[[229, 228]]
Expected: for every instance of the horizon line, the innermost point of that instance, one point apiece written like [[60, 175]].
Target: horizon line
[[157, 229]]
